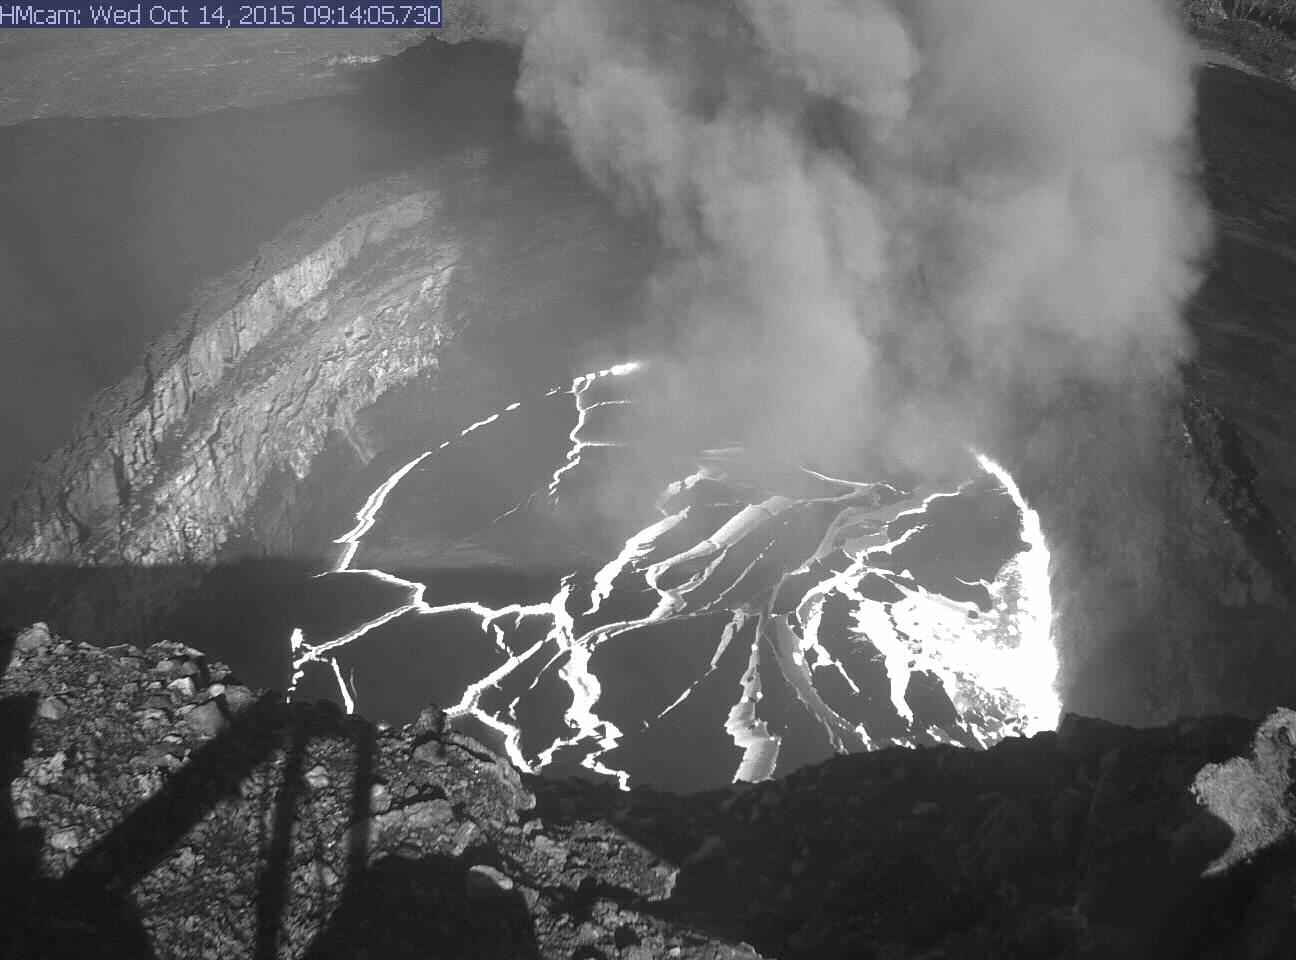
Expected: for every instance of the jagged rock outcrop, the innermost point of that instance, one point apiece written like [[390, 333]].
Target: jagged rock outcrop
[[1252, 34], [1251, 794], [157, 807]]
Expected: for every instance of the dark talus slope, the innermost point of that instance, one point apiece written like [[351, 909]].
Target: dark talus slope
[[161, 808]]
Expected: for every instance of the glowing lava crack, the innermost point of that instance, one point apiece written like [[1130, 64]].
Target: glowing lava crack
[[873, 615]]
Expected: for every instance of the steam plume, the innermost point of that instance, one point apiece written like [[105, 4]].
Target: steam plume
[[890, 215]]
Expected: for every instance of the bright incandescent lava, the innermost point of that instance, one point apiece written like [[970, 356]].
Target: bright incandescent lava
[[788, 613]]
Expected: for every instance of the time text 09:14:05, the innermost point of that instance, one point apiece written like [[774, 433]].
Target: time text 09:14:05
[[321, 15]]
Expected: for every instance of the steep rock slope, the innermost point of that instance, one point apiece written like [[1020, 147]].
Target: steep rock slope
[[253, 380], [287, 355]]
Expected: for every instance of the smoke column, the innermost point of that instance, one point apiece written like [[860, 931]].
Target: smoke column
[[893, 220]]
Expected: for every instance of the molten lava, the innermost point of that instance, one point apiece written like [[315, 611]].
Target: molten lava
[[869, 614]]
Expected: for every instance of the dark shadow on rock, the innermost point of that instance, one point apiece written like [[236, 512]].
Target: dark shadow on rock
[[86, 912], [240, 613], [20, 844], [1086, 844], [102, 604], [396, 908], [1148, 844], [273, 888], [99, 923], [422, 907], [215, 772]]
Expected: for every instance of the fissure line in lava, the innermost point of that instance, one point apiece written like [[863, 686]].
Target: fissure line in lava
[[584, 685], [998, 672]]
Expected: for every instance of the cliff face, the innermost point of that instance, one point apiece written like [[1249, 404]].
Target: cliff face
[[254, 380], [288, 356]]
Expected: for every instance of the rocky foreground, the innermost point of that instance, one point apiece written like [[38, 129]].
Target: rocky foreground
[[157, 807]]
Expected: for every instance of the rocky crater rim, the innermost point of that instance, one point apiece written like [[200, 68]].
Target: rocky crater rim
[[151, 773]]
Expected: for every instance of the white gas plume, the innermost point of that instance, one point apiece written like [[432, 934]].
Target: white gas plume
[[889, 215]]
